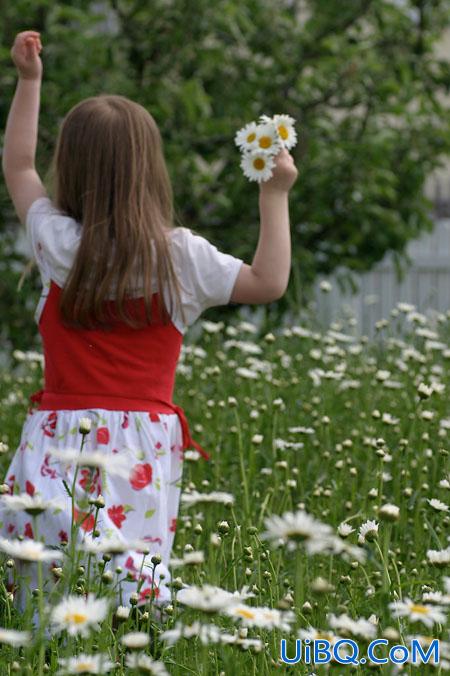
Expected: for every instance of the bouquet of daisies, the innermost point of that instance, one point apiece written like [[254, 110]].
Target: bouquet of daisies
[[259, 143]]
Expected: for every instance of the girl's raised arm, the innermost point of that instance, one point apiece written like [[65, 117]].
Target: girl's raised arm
[[20, 140]]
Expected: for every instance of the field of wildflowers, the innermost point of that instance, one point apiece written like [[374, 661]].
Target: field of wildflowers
[[323, 513]]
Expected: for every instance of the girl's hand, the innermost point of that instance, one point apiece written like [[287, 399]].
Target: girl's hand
[[25, 54], [284, 174]]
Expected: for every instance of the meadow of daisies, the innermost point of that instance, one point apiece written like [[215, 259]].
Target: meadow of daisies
[[323, 513]]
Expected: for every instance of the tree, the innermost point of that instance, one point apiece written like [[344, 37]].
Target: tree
[[360, 78]]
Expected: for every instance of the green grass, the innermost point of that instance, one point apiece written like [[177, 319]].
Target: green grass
[[371, 444]]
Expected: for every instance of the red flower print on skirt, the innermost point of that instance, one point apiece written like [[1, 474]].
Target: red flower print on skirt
[[50, 424], [129, 564], [103, 435], [90, 480], [28, 531], [149, 538], [148, 592], [10, 482], [125, 422], [63, 537], [46, 469], [141, 476], [116, 515], [173, 525], [85, 522], [29, 487]]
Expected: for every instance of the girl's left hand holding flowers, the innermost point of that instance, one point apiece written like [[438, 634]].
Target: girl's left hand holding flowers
[[25, 54]]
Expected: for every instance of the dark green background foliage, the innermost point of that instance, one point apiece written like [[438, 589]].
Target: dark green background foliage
[[359, 77]]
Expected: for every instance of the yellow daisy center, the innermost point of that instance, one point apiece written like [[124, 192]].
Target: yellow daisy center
[[419, 609], [245, 613], [319, 637], [259, 163], [251, 137], [283, 132], [83, 666], [265, 141], [78, 618]]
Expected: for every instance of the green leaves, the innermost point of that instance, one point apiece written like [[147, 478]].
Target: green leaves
[[365, 90]]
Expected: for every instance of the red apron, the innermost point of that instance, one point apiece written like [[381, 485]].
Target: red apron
[[91, 368]]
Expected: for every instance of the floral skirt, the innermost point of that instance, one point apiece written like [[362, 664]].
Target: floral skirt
[[141, 503]]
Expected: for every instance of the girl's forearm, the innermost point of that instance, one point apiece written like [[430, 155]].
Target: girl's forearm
[[272, 259], [19, 147]]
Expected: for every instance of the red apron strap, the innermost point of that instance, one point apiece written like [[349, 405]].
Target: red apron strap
[[188, 442], [37, 396]]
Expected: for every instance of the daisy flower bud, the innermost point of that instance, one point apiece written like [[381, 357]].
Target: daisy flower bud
[[84, 425], [424, 392], [223, 527], [389, 512], [156, 559]]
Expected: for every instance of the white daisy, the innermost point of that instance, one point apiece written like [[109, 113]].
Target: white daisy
[[145, 664], [30, 504], [135, 639], [439, 557], [78, 615], [389, 512], [437, 597], [189, 559], [261, 617], [285, 128], [268, 139], [335, 545], [29, 550], [240, 639], [299, 527], [314, 634], [113, 544], [416, 612], [15, 638], [368, 531], [85, 664], [347, 626], [211, 599], [438, 505], [207, 633], [344, 530], [194, 497], [114, 464], [246, 137], [123, 612], [257, 165]]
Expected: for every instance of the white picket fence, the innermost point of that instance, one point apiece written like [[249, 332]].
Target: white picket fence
[[426, 284]]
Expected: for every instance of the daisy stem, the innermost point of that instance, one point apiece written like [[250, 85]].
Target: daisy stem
[[274, 427], [41, 604], [386, 578], [5, 595], [72, 524], [242, 466], [299, 587], [88, 577], [394, 563]]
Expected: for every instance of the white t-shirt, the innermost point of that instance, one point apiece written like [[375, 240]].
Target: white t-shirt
[[206, 275]]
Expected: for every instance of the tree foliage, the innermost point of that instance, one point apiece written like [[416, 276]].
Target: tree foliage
[[361, 79]]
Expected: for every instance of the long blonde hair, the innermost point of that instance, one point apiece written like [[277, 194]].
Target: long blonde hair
[[109, 174]]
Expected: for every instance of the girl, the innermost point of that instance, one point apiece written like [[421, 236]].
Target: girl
[[112, 263]]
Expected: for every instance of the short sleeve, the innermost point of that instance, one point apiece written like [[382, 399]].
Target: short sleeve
[[207, 274], [54, 239]]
